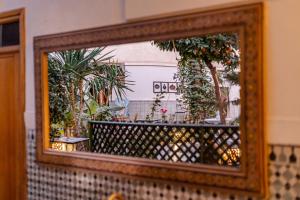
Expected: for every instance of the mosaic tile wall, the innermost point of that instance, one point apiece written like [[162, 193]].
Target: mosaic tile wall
[[48, 183], [284, 172]]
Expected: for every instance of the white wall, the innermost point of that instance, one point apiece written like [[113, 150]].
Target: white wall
[[282, 39], [143, 53], [144, 77], [145, 63]]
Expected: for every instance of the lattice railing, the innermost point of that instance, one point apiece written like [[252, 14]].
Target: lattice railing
[[206, 144]]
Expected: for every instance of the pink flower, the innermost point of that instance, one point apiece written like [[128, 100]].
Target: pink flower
[[163, 110]]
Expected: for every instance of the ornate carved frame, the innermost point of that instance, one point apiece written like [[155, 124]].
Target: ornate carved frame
[[247, 21]]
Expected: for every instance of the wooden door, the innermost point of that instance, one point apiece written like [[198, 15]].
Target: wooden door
[[12, 156]]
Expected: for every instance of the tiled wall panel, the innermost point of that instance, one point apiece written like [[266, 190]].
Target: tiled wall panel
[[284, 172], [47, 183]]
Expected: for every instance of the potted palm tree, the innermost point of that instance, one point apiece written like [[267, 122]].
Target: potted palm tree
[[76, 77]]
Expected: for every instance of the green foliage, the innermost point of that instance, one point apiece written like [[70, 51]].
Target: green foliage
[[94, 111], [109, 78], [196, 62], [97, 112], [221, 48], [196, 90], [103, 113], [58, 100], [56, 130], [156, 104], [78, 76], [92, 67], [68, 118]]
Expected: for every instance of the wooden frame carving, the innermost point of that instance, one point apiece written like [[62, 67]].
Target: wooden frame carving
[[247, 21]]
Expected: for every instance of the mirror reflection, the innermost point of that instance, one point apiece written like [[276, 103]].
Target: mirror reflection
[[175, 100]]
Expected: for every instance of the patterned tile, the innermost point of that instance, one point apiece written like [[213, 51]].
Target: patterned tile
[[284, 172], [50, 183]]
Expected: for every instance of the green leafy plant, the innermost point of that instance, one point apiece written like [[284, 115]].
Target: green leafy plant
[[56, 130], [155, 105], [207, 50], [196, 90], [94, 111], [77, 76]]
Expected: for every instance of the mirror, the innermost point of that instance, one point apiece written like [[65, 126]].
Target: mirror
[[176, 99]]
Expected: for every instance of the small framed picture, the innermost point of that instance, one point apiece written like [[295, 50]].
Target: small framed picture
[[164, 87], [173, 87], [156, 87]]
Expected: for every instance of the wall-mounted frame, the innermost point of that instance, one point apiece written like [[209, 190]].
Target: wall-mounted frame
[[245, 20]]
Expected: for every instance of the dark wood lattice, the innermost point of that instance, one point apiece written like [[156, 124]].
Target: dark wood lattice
[[206, 144]]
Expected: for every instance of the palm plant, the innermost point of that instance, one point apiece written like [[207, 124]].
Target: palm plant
[[82, 75]]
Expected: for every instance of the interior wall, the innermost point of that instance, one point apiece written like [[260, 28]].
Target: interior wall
[[280, 79], [281, 69], [47, 17]]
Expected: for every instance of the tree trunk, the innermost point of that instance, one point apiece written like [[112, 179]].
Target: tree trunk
[[219, 96], [81, 96], [72, 97], [81, 103], [102, 99], [73, 106]]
